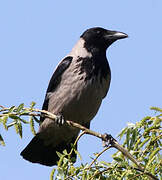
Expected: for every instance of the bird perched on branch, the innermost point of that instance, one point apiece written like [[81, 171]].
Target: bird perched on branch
[[75, 92]]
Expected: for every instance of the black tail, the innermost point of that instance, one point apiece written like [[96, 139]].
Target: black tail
[[37, 152]]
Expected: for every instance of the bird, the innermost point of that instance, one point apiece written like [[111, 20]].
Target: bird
[[75, 92]]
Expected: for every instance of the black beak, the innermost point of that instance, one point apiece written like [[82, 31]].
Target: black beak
[[115, 35]]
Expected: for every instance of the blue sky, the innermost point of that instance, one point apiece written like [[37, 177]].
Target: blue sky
[[36, 35]]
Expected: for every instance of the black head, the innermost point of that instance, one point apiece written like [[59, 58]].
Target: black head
[[101, 38]]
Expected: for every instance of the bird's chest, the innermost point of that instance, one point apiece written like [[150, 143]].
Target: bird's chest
[[88, 87], [94, 76]]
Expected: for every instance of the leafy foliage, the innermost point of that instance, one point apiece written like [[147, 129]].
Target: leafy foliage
[[142, 140], [14, 117]]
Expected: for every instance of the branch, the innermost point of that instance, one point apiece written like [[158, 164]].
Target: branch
[[108, 140], [104, 138], [113, 143]]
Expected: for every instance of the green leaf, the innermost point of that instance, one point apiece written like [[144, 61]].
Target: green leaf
[[4, 120], [133, 138], [16, 128], [137, 143], [24, 121], [105, 163], [65, 152], [78, 170], [20, 129], [36, 119], [157, 121], [13, 116], [154, 153], [118, 159], [2, 141], [128, 138], [144, 142], [11, 124], [25, 112], [156, 109], [60, 162], [52, 174], [123, 131], [32, 104], [32, 125], [147, 131], [11, 109], [59, 154], [20, 107], [78, 154], [144, 120]]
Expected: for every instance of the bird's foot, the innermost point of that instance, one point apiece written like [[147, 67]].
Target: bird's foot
[[108, 140], [60, 120]]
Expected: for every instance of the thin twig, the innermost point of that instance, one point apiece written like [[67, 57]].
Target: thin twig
[[77, 139], [80, 135], [98, 155], [2, 107]]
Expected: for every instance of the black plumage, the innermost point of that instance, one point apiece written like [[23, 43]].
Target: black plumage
[[75, 91]]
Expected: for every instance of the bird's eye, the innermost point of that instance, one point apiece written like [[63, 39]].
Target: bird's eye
[[98, 32]]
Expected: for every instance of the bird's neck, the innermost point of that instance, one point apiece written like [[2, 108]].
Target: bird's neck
[[84, 51], [79, 50], [96, 52]]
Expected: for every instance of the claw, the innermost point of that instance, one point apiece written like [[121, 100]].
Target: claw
[[109, 140], [60, 120]]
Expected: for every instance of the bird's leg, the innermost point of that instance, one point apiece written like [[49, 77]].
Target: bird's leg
[[60, 119]]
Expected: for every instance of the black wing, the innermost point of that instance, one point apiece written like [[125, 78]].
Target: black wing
[[55, 80]]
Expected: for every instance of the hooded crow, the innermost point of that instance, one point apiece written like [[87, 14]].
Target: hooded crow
[[75, 92]]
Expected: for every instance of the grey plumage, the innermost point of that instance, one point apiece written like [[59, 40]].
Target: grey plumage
[[75, 91]]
